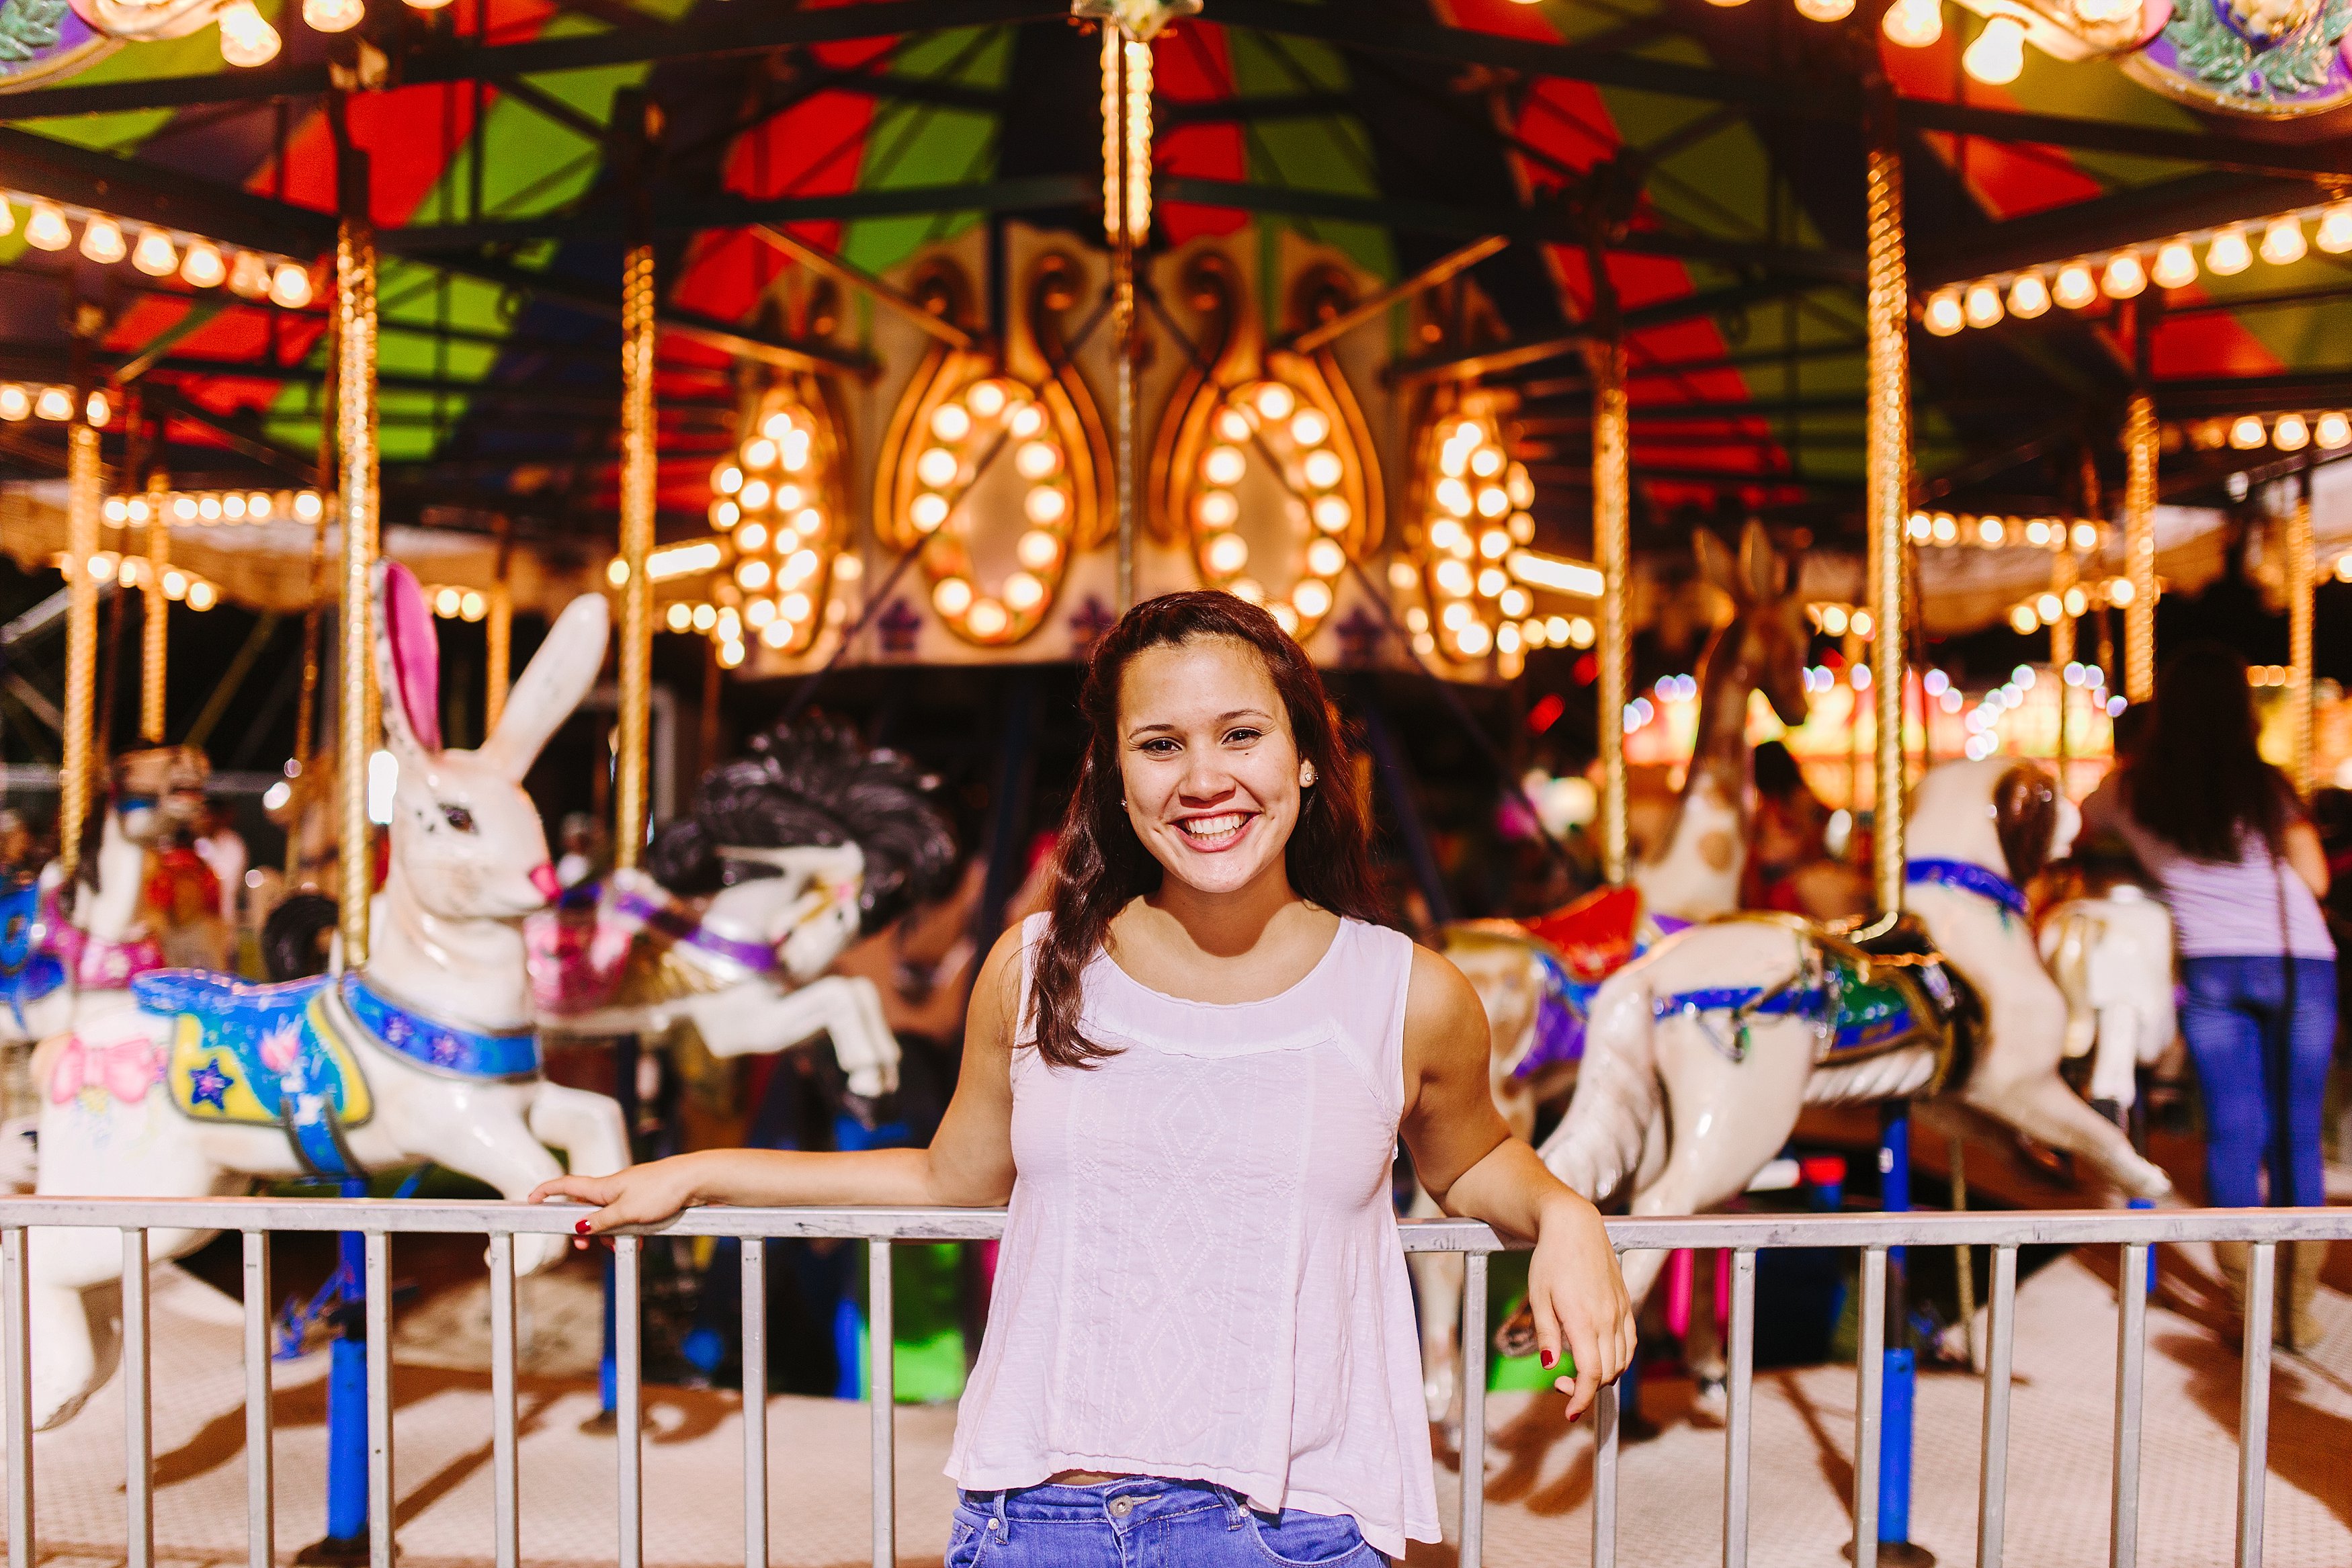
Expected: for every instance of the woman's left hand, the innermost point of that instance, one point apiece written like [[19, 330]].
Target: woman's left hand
[[1576, 1293]]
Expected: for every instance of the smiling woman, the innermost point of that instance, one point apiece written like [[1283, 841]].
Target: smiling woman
[[1188, 1078]]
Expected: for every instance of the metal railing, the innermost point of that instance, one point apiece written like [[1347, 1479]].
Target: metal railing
[[1743, 1235]]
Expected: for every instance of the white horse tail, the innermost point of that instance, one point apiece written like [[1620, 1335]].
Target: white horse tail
[[1892, 1076], [1599, 1143]]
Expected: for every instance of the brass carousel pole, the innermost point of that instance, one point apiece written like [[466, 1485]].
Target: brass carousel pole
[[1127, 223], [637, 503], [2139, 547], [498, 635], [153, 645], [85, 486], [1887, 462], [355, 422], [2299, 590], [1611, 545]]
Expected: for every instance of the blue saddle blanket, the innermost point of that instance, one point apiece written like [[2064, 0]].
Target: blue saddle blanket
[[29, 970]]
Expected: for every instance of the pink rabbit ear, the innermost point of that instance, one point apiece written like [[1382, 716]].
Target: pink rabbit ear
[[415, 654]]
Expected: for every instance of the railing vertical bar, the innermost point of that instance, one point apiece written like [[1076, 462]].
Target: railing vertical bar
[[505, 1467], [1870, 1362], [2255, 1403], [2001, 1344], [377, 1266], [628, 1389], [882, 1393], [1605, 1477], [1474, 1408], [2131, 1345], [1740, 1412], [138, 1406], [755, 1402], [260, 1444], [16, 1392]]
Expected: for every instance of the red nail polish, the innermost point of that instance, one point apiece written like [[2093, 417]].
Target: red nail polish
[[581, 1228], [1548, 1359]]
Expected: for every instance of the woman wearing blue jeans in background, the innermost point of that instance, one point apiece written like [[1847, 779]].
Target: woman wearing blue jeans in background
[[2241, 866]]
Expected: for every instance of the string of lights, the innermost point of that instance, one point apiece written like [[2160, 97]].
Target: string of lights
[[158, 252], [203, 508]]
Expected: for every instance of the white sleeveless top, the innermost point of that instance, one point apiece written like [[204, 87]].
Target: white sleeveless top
[[1201, 1277]]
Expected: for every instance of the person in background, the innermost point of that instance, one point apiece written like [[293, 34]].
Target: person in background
[[584, 850], [2224, 836], [19, 855], [1790, 867], [220, 846]]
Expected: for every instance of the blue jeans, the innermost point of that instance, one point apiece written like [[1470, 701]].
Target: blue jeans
[[2264, 1074], [1142, 1523]]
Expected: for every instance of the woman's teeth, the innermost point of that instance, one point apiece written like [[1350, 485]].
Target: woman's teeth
[[1209, 829]]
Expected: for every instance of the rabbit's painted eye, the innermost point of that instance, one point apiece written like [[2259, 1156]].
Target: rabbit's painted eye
[[458, 818]]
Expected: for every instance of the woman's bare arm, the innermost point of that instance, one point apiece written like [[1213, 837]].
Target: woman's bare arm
[[2304, 853], [968, 1165], [1472, 1166]]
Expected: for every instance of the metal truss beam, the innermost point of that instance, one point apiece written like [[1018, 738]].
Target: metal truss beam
[[1511, 356], [2127, 218]]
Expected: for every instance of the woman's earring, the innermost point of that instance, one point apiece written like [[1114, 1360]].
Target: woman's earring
[[1306, 775]]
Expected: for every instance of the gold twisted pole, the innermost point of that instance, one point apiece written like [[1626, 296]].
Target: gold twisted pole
[[1887, 464], [638, 496], [498, 637], [355, 428], [85, 486], [2064, 573], [1127, 223], [155, 645], [2300, 586], [2139, 547], [1612, 543]]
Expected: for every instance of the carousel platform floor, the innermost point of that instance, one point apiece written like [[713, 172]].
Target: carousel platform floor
[[1541, 1469]]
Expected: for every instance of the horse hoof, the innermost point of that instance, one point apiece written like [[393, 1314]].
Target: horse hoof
[[1710, 1401]]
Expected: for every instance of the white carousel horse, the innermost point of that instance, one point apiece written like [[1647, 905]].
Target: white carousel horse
[[2111, 954], [1537, 976], [789, 856], [426, 1055], [1701, 1053]]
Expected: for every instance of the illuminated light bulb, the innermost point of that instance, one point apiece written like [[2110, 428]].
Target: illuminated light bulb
[[101, 240], [209, 508], [259, 505], [758, 613], [801, 565], [727, 479], [246, 38], [2290, 433], [1029, 419], [1997, 56], [154, 254], [1233, 424], [307, 505], [1225, 554], [248, 276], [928, 512], [725, 513], [202, 268], [426, 5], [8, 216], [1454, 617], [1217, 508], [2229, 254], [1494, 543], [1918, 527], [2086, 535], [2037, 532], [751, 537], [1991, 531], [1037, 460], [755, 495], [705, 617], [1492, 582], [1024, 593], [2332, 432], [1487, 462], [1046, 505], [987, 618], [1493, 500], [46, 228], [1284, 616], [753, 574], [950, 422], [2125, 276], [1454, 460], [1331, 513], [289, 285], [679, 617], [1982, 305], [1475, 639], [2335, 234], [1452, 577], [1274, 401], [730, 655], [2176, 265], [1309, 426], [445, 603], [55, 403], [1825, 10], [1038, 549], [1861, 623], [202, 595], [1946, 528], [1944, 315], [1454, 496], [1223, 464], [795, 447], [1445, 533], [2247, 432], [2023, 620], [333, 16], [2027, 297], [184, 508], [952, 597], [118, 511], [97, 410], [1326, 558], [796, 608], [760, 452], [2283, 241], [1515, 601], [1312, 599], [987, 399], [1913, 24], [936, 468], [2077, 602], [2047, 609]]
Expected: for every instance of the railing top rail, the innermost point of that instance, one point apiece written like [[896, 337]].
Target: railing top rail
[[2059, 1227]]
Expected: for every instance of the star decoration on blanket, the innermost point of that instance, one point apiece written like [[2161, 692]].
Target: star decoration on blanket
[[208, 1085]]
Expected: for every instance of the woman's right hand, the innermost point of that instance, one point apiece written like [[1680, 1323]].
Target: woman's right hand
[[641, 1195]]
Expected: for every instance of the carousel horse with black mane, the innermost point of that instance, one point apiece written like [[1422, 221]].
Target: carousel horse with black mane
[[1537, 977], [426, 1054], [788, 856]]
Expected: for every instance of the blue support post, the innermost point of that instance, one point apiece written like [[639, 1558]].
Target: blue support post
[[2148, 1203], [627, 1053], [346, 1540], [1894, 1545]]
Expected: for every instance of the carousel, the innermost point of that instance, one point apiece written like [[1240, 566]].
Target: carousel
[[1732, 464]]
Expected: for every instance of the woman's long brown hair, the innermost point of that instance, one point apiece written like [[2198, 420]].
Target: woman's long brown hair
[[2197, 778], [1101, 865]]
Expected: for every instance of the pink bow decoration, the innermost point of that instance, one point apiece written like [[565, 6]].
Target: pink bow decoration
[[125, 1069]]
